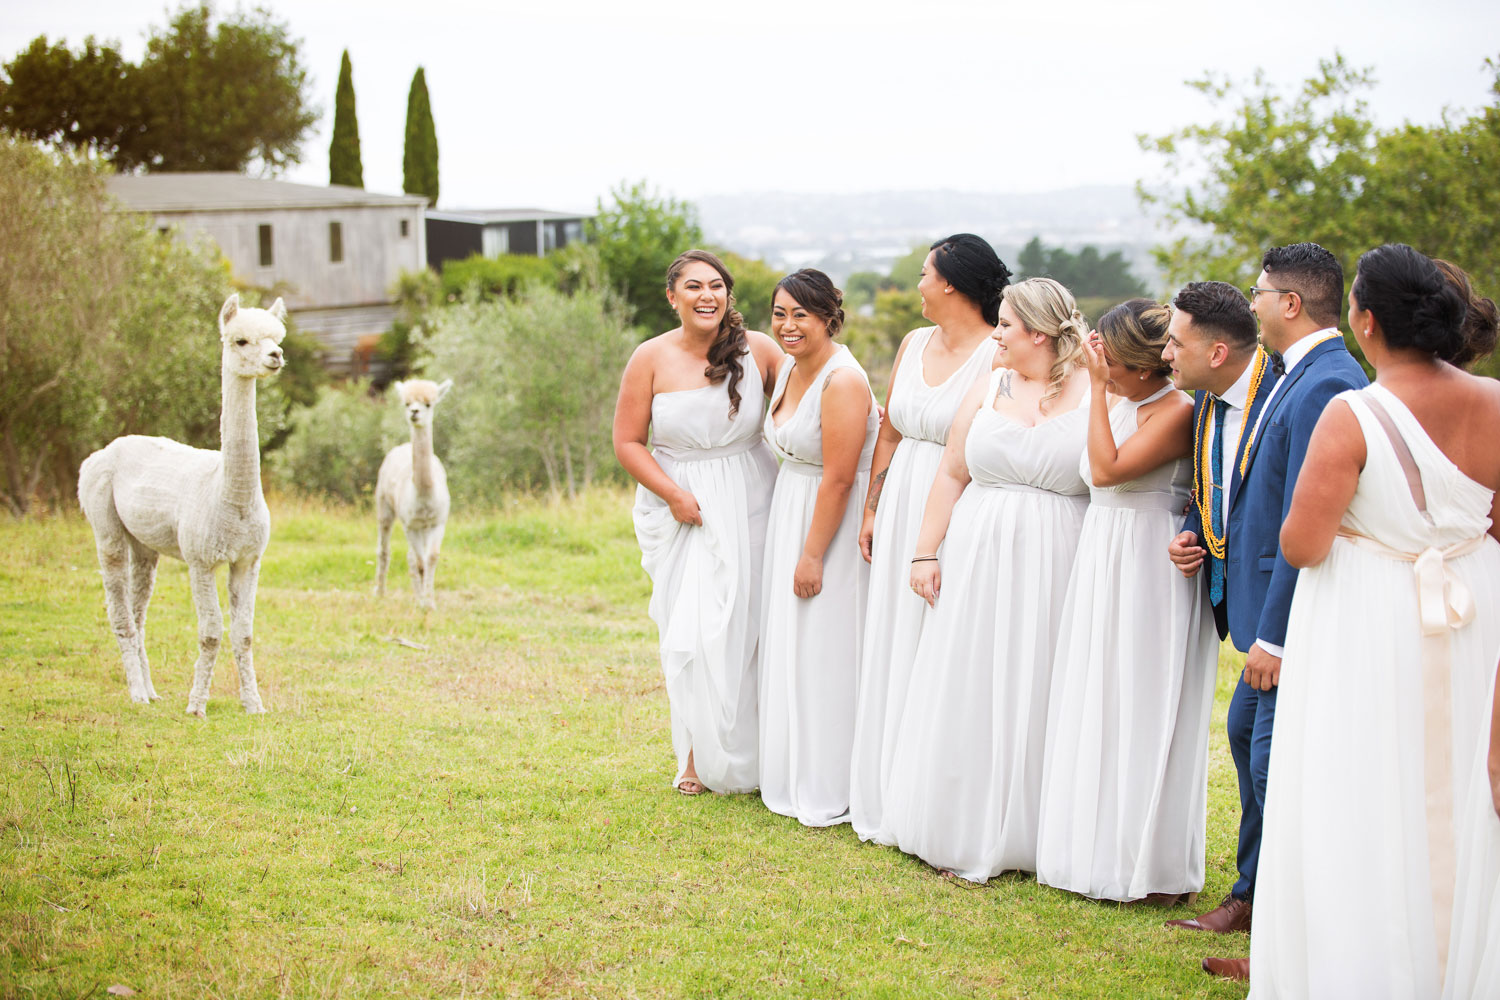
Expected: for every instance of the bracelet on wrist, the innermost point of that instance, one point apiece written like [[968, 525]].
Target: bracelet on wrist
[[931, 558]]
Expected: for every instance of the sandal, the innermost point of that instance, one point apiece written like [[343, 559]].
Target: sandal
[[691, 786]]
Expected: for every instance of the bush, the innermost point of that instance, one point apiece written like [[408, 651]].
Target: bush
[[495, 277], [534, 381], [334, 447]]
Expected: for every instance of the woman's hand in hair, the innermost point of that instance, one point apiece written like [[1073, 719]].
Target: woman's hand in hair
[[1093, 357]]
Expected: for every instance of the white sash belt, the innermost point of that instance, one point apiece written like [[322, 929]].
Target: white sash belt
[[1444, 604]]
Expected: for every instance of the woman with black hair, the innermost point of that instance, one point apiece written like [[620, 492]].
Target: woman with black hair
[[822, 422], [697, 393], [1380, 866], [962, 281]]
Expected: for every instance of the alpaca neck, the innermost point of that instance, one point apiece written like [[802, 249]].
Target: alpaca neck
[[421, 460], [239, 442]]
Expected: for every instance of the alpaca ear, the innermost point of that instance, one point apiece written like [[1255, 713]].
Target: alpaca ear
[[278, 309], [443, 388], [400, 388], [230, 311]]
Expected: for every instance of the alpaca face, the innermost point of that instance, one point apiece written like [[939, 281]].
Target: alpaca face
[[252, 338], [419, 396]]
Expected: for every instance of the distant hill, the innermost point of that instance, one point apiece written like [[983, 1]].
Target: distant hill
[[843, 233]]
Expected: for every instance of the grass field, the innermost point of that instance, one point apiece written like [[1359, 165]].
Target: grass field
[[485, 816]]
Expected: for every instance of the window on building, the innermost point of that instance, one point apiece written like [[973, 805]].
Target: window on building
[[336, 242], [572, 232], [266, 259], [495, 241], [549, 237], [405, 228]]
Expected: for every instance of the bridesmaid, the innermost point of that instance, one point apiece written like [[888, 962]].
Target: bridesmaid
[[966, 771], [822, 422], [962, 279], [700, 515], [1124, 775]]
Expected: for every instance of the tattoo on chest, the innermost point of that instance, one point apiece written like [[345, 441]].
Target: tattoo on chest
[[1004, 385]]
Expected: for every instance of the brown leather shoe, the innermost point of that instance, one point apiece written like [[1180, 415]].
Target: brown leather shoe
[[1233, 914], [1228, 968]]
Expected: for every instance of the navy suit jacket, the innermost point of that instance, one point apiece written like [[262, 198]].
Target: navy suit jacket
[[1260, 582], [1194, 523]]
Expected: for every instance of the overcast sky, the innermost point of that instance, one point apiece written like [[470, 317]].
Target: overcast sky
[[550, 104]]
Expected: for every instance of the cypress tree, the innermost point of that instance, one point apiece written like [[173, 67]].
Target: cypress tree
[[420, 164], [344, 166]]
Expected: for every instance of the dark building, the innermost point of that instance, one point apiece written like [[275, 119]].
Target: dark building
[[493, 232]]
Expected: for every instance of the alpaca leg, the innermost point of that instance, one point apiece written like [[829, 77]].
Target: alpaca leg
[[242, 579], [384, 517], [210, 632], [416, 543], [434, 544], [114, 565], [142, 581]]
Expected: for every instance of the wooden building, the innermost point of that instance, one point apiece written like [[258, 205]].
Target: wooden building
[[332, 252], [493, 232]]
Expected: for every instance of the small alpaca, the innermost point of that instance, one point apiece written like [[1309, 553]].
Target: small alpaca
[[413, 486], [150, 496]]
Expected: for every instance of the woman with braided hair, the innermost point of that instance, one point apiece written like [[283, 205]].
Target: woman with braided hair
[[697, 393], [1006, 509]]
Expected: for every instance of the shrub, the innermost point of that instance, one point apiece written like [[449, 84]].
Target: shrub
[[334, 447], [495, 277]]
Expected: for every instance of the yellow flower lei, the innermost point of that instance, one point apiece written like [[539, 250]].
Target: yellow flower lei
[[1203, 455]]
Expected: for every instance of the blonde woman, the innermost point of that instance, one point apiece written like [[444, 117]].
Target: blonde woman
[[1124, 777], [992, 559]]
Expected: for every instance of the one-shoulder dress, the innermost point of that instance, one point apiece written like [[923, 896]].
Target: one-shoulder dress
[[1380, 859], [705, 593]]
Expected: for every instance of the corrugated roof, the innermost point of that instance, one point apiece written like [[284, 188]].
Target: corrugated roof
[[197, 192], [484, 216]]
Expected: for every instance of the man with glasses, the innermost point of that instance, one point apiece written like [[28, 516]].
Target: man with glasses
[[1297, 299]]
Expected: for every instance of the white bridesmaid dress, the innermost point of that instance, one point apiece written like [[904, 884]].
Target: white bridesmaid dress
[[923, 414], [966, 771], [1125, 772], [810, 646], [705, 593], [1366, 888]]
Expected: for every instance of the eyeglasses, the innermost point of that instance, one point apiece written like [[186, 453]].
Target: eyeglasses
[[1254, 290]]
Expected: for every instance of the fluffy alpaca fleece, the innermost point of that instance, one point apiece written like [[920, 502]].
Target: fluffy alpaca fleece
[[413, 486], [151, 496]]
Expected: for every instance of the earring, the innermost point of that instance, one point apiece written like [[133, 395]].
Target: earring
[[1143, 376]]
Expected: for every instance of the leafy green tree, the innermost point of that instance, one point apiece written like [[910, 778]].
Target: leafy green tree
[[638, 235], [860, 288], [344, 166], [1313, 166], [335, 446], [420, 160], [754, 287], [106, 327], [907, 271], [534, 378], [86, 100], [206, 96], [1087, 273]]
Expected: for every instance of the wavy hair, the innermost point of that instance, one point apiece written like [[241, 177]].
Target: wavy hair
[[730, 343], [1044, 306], [814, 291]]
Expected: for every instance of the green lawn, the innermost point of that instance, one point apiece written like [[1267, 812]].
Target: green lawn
[[486, 816]]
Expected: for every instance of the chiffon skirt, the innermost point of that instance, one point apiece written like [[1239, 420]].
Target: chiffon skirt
[[966, 773]]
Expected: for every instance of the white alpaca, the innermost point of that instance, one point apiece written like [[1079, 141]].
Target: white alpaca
[[147, 496], [413, 486]]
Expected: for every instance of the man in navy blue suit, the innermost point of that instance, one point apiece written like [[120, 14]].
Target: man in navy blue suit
[[1297, 299]]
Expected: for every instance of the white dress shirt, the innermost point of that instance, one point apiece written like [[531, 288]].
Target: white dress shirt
[[1291, 358]]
